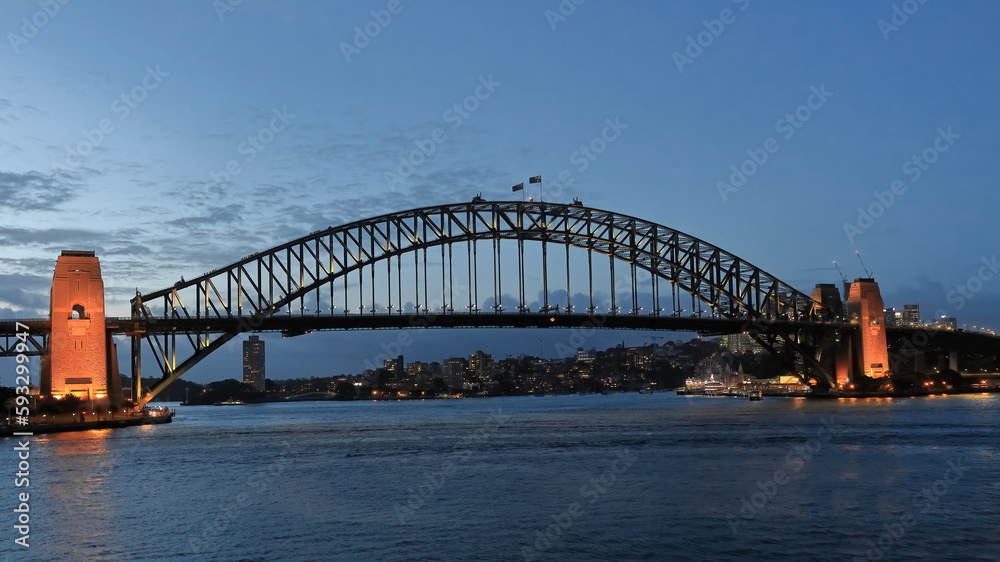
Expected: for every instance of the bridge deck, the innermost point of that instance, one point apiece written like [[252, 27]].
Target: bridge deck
[[961, 341], [293, 325]]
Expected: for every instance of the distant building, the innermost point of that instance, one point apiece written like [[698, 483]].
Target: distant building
[[253, 364], [586, 356], [418, 372], [435, 369], [452, 371], [893, 317], [829, 296], [639, 358], [395, 367], [911, 316], [944, 323], [741, 343], [481, 365]]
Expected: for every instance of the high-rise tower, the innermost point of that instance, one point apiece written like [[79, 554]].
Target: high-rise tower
[[253, 364]]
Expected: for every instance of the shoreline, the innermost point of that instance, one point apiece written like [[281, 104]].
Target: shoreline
[[827, 396], [62, 427]]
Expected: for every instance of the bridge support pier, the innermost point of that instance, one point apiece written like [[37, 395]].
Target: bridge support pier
[[136, 368], [860, 350], [835, 356], [867, 313]]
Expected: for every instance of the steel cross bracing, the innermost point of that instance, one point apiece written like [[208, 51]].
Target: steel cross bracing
[[31, 345], [340, 268], [31, 334]]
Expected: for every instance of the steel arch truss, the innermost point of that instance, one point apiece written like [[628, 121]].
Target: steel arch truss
[[287, 279]]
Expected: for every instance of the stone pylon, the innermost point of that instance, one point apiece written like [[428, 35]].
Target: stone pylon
[[81, 358]]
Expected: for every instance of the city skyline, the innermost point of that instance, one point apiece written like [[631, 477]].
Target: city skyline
[[873, 134]]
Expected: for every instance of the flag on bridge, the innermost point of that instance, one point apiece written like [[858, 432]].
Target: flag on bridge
[[518, 187], [536, 179]]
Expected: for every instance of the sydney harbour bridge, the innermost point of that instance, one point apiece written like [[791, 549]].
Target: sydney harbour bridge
[[465, 265]]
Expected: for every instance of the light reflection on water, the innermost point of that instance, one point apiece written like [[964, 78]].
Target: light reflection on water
[[330, 480]]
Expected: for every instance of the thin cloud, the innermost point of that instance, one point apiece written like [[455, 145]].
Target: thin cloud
[[33, 191]]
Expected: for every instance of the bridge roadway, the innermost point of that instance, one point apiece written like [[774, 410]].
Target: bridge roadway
[[294, 325]]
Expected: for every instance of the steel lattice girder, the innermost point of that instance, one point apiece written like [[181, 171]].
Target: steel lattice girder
[[32, 345], [32, 334], [261, 284]]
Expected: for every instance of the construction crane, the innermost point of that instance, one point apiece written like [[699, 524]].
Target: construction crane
[[843, 278], [868, 274]]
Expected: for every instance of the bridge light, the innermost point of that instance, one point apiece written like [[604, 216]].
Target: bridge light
[[552, 319]]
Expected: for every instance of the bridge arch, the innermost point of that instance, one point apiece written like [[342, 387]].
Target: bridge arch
[[263, 284], [724, 282]]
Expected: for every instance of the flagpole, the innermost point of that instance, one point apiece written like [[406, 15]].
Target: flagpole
[[531, 180]]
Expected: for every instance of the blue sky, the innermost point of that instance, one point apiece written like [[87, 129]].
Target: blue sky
[[699, 89]]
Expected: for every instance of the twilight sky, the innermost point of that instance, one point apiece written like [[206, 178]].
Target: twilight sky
[[176, 137]]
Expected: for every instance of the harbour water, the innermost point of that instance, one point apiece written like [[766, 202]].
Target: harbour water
[[619, 477]]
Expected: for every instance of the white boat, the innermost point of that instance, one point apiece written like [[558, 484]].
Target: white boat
[[230, 402], [755, 395]]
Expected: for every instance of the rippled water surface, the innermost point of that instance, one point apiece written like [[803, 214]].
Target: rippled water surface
[[620, 477]]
